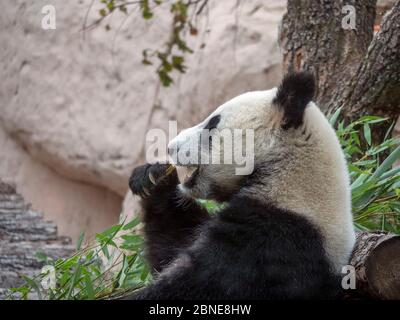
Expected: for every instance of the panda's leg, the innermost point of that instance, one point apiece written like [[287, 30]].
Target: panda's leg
[[170, 223]]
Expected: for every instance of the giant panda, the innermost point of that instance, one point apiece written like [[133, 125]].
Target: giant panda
[[286, 229]]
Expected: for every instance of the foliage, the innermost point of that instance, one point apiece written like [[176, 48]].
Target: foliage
[[375, 183], [183, 16], [94, 272], [110, 265]]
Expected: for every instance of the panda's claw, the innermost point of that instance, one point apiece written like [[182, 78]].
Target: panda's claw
[[139, 179], [146, 191], [145, 178], [152, 178]]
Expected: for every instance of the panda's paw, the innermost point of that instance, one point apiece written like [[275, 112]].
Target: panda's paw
[[144, 179]]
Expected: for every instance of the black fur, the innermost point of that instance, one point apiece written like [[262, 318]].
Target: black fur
[[221, 194], [248, 251], [294, 93], [169, 221], [213, 122], [192, 180]]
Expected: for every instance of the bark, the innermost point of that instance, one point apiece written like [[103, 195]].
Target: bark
[[312, 38], [375, 87], [376, 258], [354, 69]]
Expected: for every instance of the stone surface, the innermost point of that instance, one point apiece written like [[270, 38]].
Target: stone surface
[[73, 205], [23, 233], [80, 103]]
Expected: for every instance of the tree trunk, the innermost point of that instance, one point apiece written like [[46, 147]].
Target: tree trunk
[[352, 72], [376, 258], [312, 38], [375, 87]]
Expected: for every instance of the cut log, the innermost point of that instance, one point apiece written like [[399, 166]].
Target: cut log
[[376, 258]]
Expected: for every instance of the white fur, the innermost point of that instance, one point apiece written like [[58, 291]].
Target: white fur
[[315, 184]]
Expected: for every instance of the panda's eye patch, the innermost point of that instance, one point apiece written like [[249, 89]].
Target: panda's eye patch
[[213, 122]]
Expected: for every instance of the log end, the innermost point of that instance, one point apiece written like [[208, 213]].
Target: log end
[[382, 268]]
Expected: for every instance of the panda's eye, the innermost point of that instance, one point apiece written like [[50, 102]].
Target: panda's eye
[[213, 122]]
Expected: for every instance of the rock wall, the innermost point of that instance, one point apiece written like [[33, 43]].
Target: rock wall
[[23, 233], [76, 106], [73, 205]]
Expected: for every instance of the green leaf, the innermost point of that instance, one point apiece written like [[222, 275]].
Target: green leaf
[[41, 256], [147, 62], [388, 163], [370, 120], [147, 14], [89, 287], [105, 251], [80, 240], [145, 273], [103, 12], [74, 280], [389, 131], [131, 242], [110, 5], [107, 236], [367, 133], [111, 230], [35, 285], [333, 118], [131, 224], [360, 227], [359, 181], [391, 173], [165, 79], [146, 11]]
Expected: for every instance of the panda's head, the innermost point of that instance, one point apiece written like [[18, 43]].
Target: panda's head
[[296, 162], [242, 138]]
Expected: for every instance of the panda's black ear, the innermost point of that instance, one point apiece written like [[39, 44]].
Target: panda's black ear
[[294, 94]]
